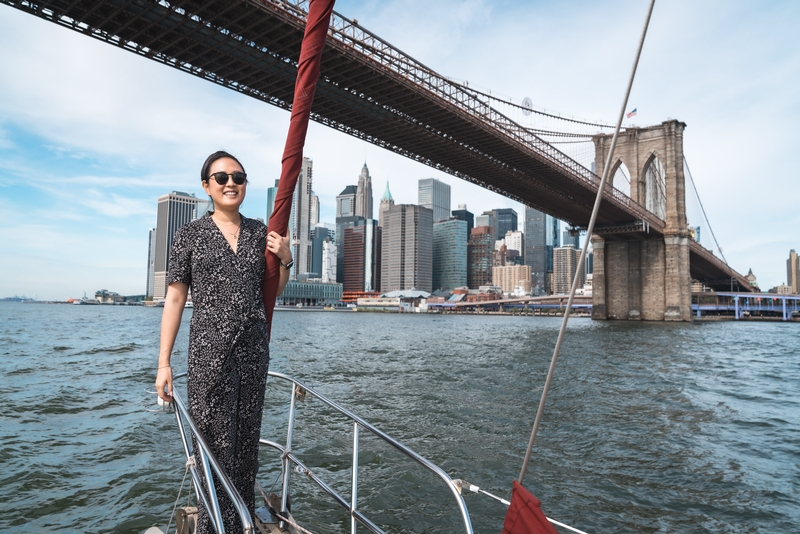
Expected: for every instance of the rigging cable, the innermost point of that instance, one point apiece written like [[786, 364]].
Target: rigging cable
[[689, 172], [581, 261]]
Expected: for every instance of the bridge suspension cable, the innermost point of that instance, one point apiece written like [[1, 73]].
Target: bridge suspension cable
[[694, 187], [526, 109]]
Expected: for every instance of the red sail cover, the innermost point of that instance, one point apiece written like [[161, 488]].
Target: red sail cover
[[525, 515], [319, 16]]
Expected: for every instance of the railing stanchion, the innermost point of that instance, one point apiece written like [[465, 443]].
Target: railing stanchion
[[354, 481], [286, 463]]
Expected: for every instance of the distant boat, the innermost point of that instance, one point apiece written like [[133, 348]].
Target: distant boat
[[86, 300]]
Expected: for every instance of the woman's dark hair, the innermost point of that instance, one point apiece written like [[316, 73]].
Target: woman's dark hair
[[219, 154]]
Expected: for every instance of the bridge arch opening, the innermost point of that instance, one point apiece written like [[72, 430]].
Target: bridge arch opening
[[621, 178], [655, 187]]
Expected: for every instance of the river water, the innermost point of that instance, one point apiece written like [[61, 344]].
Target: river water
[[648, 427]]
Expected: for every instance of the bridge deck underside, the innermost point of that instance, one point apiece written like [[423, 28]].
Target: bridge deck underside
[[253, 47]]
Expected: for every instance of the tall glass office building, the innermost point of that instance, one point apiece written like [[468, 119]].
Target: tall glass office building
[[435, 195], [449, 254], [541, 238]]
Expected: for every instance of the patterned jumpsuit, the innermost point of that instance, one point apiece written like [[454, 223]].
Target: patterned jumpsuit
[[228, 349]]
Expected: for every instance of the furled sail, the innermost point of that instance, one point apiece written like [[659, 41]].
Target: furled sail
[[525, 515], [319, 15]]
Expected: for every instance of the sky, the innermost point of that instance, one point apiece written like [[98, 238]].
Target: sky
[[91, 135]]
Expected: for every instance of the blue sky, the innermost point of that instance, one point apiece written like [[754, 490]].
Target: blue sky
[[91, 135]]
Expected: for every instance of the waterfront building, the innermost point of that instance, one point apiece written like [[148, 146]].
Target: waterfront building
[[151, 262], [271, 193], [449, 254], [589, 262], [386, 202], [310, 293], [541, 238], [782, 289], [479, 257], [435, 195], [512, 278], [364, 194], [300, 221], [463, 215], [362, 256], [407, 248], [174, 210], [565, 261], [793, 272]]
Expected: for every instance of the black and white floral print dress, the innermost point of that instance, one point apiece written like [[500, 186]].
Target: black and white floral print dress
[[228, 348]]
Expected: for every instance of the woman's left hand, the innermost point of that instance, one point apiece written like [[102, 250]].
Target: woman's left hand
[[279, 246]]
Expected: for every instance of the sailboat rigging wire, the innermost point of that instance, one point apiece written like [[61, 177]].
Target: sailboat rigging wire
[[697, 194], [582, 260]]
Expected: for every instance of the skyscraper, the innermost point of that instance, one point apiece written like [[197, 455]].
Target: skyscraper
[[346, 202], [793, 272], [386, 202], [506, 221], [541, 238], [364, 194], [449, 254], [487, 218], [479, 257], [319, 234], [565, 264], [567, 239], [314, 211], [328, 260], [515, 240], [174, 210], [463, 215], [362, 242], [345, 216], [407, 251], [151, 262], [435, 195], [271, 192], [300, 220]]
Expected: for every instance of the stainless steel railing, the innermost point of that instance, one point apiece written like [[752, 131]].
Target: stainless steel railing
[[206, 492], [204, 485], [288, 458]]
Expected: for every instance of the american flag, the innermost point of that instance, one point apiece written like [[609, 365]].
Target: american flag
[[631, 113]]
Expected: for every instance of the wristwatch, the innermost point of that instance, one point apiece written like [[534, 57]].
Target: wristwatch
[[287, 266]]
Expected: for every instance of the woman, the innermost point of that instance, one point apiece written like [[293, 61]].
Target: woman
[[220, 257]]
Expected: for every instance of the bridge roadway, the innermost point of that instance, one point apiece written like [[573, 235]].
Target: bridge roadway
[[367, 89]]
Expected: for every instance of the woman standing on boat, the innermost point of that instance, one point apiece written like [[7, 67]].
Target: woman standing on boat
[[220, 257]]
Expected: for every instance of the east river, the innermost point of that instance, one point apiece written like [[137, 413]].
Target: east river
[[649, 427]]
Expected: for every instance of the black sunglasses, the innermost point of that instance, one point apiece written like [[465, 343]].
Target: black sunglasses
[[239, 177]]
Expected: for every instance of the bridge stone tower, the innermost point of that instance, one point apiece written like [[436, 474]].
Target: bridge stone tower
[[637, 276]]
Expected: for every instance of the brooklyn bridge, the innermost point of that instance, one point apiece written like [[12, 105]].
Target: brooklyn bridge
[[645, 257]]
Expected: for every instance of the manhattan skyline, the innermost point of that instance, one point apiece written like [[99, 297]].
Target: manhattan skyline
[[91, 135]]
